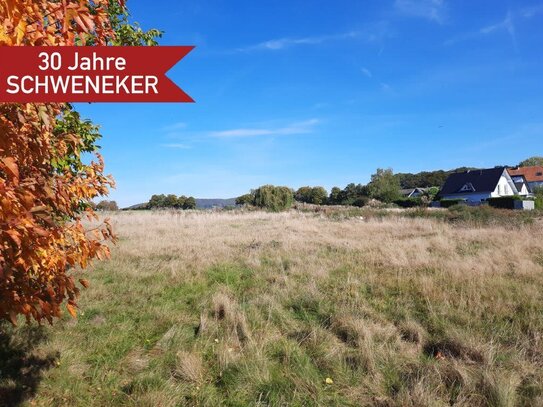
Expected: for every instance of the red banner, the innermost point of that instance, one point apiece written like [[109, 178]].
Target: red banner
[[90, 74]]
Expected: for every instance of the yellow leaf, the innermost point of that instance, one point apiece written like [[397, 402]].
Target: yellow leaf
[[4, 38], [21, 31], [328, 381]]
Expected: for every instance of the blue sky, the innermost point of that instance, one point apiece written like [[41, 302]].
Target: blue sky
[[324, 92]]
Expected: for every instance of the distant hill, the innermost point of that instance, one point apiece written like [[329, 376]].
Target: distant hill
[[214, 203], [200, 204]]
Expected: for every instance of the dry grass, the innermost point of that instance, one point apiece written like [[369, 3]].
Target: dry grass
[[256, 308]]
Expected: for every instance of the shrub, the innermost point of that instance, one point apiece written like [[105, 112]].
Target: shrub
[[273, 198], [247, 199], [538, 192], [107, 206], [361, 201], [409, 202], [447, 203]]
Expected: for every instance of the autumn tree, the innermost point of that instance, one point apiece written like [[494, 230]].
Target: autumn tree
[[46, 189]]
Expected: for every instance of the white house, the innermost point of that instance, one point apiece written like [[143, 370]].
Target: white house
[[477, 186]]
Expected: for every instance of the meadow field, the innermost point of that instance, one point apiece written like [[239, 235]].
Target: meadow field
[[297, 308]]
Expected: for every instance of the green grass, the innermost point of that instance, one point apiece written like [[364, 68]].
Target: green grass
[[269, 320]]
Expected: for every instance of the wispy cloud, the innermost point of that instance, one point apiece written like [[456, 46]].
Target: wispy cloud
[[507, 24], [433, 10], [304, 127], [372, 33], [282, 43], [367, 72], [176, 145], [530, 12]]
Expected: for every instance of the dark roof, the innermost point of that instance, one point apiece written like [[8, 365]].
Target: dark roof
[[409, 191], [481, 180]]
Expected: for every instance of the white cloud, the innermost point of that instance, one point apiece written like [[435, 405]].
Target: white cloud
[[304, 127], [367, 72], [507, 24], [530, 12], [176, 145], [281, 43], [433, 10]]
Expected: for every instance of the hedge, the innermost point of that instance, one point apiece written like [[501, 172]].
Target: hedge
[[447, 203], [408, 202], [504, 202]]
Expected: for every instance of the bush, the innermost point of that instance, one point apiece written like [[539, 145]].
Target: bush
[[311, 195], [107, 206], [538, 192], [447, 203], [409, 202], [504, 202], [247, 199], [273, 198], [361, 201], [486, 215]]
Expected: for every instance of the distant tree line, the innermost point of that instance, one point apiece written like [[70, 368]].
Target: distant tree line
[[105, 206], [171, 201], [384, 186]]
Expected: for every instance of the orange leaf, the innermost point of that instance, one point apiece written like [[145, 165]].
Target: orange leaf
[[84, 283], [11, 166], [71, 309]]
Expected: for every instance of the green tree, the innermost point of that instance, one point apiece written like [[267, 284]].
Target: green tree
[[171, 201], [318, 195], [247, 199], [181, 202], [384, 186], [431, 193], [303, 194], [107, 206], [274, 198], [353, 193], [335, 195], [157, 201], [312, 195], [190, 203], [531, 162]]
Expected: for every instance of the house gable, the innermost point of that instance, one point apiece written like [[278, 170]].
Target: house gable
[[479, 185], [468, 187]]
